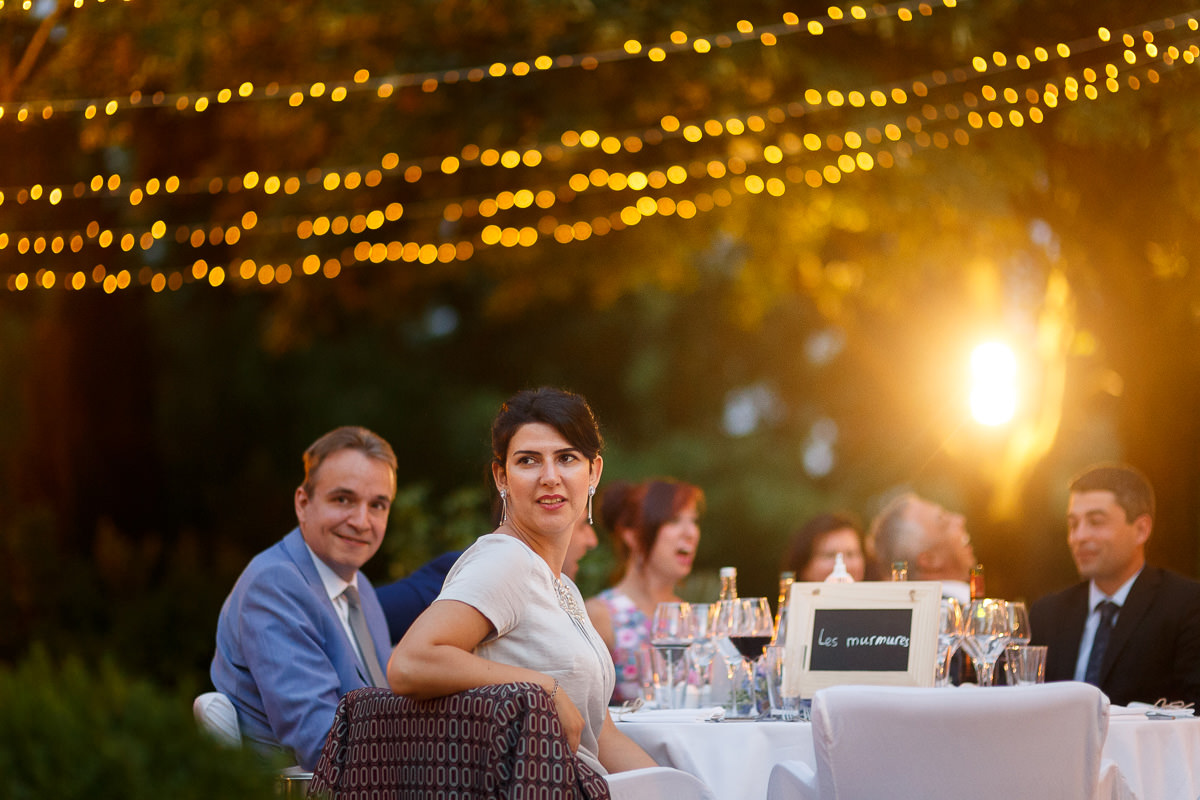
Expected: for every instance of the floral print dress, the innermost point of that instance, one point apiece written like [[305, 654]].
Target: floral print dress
[[631, 632]]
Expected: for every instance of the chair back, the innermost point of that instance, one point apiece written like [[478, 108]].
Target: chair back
[[657, 783], [497, 741], [907, 743], [215, 713]]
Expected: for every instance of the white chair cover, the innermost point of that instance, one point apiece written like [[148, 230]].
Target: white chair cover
[[216, 714], [657, 783], [906, 743]]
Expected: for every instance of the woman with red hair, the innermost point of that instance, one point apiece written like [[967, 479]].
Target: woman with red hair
[[655, 533]]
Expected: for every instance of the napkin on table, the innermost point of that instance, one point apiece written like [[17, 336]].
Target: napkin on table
[[1159, 709], [671, 714]]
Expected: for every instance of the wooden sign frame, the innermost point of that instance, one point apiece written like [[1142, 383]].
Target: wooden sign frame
[[922, 598]]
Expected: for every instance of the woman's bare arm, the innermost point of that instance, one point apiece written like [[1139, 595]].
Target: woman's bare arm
[[602, 621], [619, 753], [435, 658]]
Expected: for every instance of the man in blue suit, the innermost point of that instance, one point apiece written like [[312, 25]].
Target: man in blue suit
[[286, 644]]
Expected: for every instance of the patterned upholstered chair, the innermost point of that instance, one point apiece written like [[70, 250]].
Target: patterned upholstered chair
[[495, 741], [492, 742]]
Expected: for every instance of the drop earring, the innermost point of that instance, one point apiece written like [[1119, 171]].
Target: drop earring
[[503, 506], [591, 493]]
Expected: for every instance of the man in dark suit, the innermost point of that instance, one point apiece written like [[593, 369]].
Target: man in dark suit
[[403, 600], [1129, 628]]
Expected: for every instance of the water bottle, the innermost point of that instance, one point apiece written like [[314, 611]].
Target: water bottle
[[728, 584], [839, 574]]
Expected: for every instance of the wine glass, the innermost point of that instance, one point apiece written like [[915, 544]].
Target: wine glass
[[703, 647], [671, 633], [1018, 616], [950, 634], [750, 634], [724, 625], [986, 629]]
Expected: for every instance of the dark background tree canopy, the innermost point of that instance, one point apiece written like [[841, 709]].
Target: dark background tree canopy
[[790, 352]]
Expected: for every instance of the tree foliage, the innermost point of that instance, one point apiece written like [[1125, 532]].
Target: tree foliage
[[772, 305]]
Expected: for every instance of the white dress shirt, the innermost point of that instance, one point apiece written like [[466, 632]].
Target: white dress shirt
[[1095, 598], [335, 588]]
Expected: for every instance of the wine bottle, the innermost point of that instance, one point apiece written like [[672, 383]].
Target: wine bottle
[[785, 593], [976, 582]]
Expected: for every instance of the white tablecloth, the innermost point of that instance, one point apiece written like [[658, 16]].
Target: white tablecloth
[[734, 757], [1160, 759]]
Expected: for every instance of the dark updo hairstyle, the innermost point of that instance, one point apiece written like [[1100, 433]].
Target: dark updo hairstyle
[[644, 509], [804, 541], [566, 412]]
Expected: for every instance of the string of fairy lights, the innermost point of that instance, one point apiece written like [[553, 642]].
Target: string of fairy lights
[[351, 177], [768, 169], [384, 87], [378, 252], [472, 155], [29, 5]]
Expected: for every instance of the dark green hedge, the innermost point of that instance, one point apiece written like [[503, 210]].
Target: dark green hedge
[[78, 730]]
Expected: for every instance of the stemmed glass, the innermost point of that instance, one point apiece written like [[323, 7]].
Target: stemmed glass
[[950, 634], [986, 630], [724, 624], [1018, 617], [748, 625], [703, 647], [671, 634]]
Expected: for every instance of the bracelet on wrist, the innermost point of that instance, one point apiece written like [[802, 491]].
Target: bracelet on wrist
[[554, 691]]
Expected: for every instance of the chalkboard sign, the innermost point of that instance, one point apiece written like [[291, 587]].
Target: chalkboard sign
[[872, 632], [875, 640]]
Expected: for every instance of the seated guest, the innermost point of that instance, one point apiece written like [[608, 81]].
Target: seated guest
[[583, 540], [507, 612], [655, 535], [814, 548], [403, 600], [1129, 628], [301, 626], [933, 541]]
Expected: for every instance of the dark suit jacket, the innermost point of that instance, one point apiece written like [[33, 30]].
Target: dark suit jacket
[[1154, 651], [404, 600]]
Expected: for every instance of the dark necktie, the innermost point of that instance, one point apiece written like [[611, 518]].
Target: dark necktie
[[1108, 610], [358, 624]]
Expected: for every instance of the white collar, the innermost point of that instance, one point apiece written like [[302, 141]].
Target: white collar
[[1095, 596], [333, 583]]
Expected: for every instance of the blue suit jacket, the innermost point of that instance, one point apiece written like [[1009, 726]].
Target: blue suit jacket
[[283, 656]]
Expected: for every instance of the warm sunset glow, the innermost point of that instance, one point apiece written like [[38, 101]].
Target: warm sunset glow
[[993, 383]]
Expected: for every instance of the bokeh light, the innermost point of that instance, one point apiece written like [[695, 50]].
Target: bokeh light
[[993, 383]]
